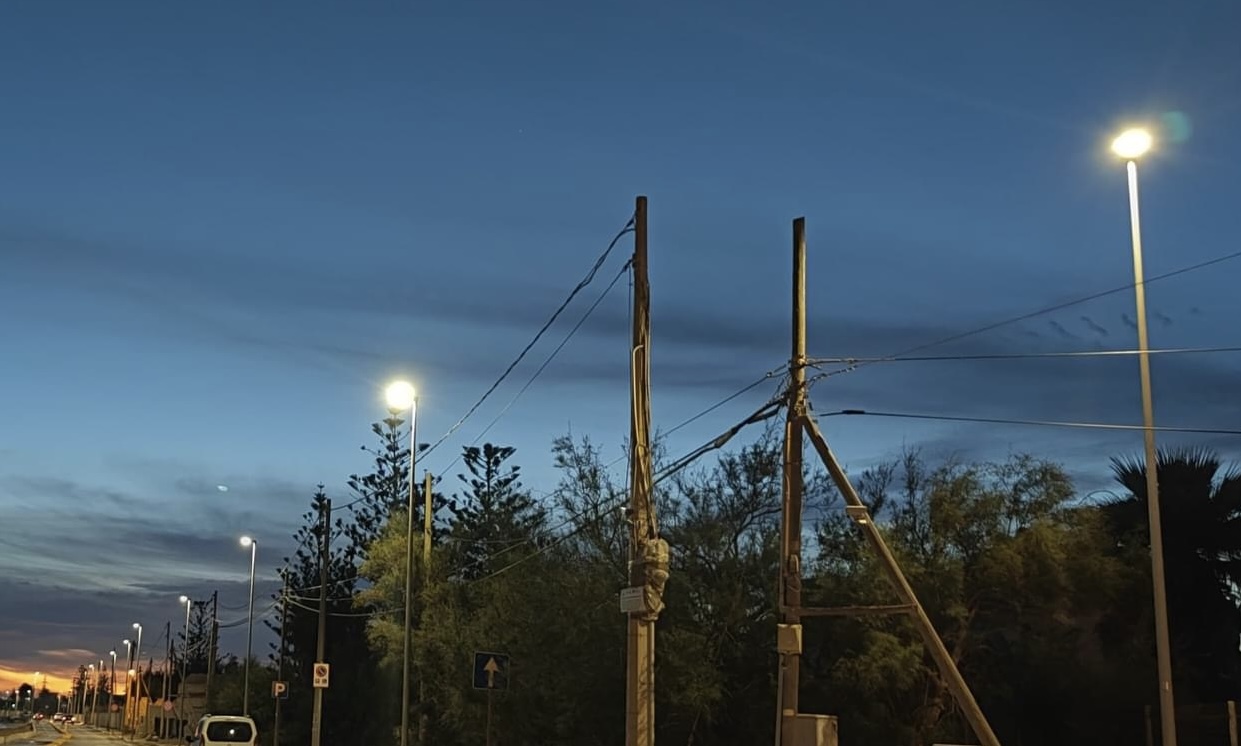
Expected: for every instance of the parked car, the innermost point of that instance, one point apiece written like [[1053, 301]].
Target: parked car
[[234, 730]]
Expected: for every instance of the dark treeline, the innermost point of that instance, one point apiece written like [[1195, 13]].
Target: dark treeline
[[1042, 595]]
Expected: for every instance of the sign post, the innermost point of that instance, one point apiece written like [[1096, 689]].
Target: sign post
[[491, 674]]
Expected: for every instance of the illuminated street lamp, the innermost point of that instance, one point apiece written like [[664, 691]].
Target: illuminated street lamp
[[136, 672], [402, 397], [185, 657], [1131, 145], [246, 541], [111, 687]]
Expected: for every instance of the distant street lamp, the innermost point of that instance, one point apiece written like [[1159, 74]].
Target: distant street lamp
[[136, 672], [185, 656], [111, 687], [246, 541], [1131, 145], [402, 397], [129, 667]]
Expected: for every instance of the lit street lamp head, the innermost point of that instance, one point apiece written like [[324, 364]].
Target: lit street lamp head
[[1132, 143], [185, 599], [401, 395], [137, 626], [246, 541]]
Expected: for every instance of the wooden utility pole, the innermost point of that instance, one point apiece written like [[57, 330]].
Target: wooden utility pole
[[792, 486], [648, 568], [163, 718], [321, 645], [212, 642], [801, 424]]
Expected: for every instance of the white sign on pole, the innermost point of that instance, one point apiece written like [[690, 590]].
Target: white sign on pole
[[321, 673]]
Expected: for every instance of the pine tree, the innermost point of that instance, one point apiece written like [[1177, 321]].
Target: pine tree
[[496, 515]]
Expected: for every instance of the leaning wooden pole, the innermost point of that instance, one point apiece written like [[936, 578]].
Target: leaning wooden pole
[[856, 510]]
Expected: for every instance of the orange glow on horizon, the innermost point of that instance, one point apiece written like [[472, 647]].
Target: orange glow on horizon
[[57, 681]]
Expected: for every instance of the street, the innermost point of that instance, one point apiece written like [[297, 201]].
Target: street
[[44, 734]]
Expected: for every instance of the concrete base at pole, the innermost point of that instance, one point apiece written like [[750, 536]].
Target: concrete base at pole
[[812, 730]]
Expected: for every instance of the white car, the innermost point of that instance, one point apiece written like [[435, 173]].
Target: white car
[[234, 730]]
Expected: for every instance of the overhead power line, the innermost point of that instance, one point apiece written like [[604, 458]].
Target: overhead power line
[[813, 362], [1033, 314], [590, 276], [1038, 423], [764, 412], [703, 413], [546, 362]]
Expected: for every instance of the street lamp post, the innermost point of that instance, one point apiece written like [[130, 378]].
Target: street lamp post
[[185, 657], [129, 666], [402, 397], [137, 668], [1131, 145], [94, 700], [246, 541], [111, 687]]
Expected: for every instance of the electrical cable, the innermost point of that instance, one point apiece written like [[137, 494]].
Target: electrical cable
[[1040, 423], [590, 276], [546, 362], [694, 418], [815, 362], [764, 412], [1034, 314]]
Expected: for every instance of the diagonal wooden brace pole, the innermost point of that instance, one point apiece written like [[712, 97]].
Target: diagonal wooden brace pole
[[943, 659]]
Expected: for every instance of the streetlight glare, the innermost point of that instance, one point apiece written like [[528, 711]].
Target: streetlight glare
[[184, 599], [1132, 143], [246, 541], [400, 395], [137, 626]]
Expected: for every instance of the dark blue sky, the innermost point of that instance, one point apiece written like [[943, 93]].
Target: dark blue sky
[[223, 227]]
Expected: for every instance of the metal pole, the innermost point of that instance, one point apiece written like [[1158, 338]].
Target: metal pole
[[488, 738], [111, 689], [316, 722], [185, 659], [94, 700], [427, 515], [129, 666], [137, 684], [409, 570], [792, 484], [284, 625], [245, 689], [1163, 652]]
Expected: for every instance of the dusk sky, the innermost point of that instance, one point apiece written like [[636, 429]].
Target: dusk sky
[[225, 226]]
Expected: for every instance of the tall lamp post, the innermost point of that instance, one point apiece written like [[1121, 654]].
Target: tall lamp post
[[137, 674], [185, 657], [1131, 145], [111, 687], [247, 541], [402, 397], [129, 667]]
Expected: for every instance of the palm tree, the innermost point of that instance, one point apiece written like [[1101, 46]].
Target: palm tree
[[1200, 500]]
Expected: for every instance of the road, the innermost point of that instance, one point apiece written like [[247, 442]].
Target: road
[[45, 735]]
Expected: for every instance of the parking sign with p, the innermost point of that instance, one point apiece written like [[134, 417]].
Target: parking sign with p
[[280, 690]]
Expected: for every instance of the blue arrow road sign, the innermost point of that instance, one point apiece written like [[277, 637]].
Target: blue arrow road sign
[[490, 671]]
